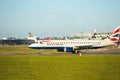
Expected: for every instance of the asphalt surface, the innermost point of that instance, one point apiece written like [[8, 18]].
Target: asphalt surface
[[102, 51]]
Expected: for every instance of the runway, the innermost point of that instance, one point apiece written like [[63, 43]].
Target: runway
[[83, 52], [102, 51]]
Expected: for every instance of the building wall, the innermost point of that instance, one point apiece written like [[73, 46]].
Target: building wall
[[16, 42]]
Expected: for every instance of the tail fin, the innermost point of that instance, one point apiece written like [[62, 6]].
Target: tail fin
[[117, 30], [47, 40], [115, 37]]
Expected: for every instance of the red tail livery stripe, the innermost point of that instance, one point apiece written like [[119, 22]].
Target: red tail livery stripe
[[116, 30]]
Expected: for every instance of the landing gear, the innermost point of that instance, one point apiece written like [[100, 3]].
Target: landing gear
[[78, 52], [64, 49], [39, 51], [117, 45]]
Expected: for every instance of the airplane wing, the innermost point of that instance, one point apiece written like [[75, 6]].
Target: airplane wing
[[83, 46]]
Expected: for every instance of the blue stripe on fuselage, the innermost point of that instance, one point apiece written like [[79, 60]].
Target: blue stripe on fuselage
[[68, 49]]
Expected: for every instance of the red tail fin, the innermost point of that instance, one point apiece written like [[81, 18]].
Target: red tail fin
[[115, 35], [117, 30], [47, 40]]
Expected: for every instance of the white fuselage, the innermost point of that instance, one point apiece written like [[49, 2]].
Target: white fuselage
[[71, 45]]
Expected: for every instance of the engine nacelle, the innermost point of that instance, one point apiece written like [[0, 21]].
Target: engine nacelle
[[66, 49]]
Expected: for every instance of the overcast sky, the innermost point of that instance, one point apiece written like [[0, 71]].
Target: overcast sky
[[48, 18]]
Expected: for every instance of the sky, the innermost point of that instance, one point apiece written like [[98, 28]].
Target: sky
[[50, 18]]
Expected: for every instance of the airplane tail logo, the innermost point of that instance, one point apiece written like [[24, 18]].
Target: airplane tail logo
[[115, 35], [117, 30], [113, 39]]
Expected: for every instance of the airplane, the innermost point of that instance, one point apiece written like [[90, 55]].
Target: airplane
[[74, 45]]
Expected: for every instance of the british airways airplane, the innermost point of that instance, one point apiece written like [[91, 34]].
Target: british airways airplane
[[73, 45]]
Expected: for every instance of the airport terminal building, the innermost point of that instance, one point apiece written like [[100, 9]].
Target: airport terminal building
[[17, 41]]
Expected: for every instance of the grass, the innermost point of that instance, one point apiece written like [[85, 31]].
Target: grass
[[23, 50], [102, 67], [86, 67], [16, 50]]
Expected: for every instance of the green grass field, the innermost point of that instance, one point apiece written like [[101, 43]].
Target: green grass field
[[22, 50], [85, 67], [60, 67], [16, 50]]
